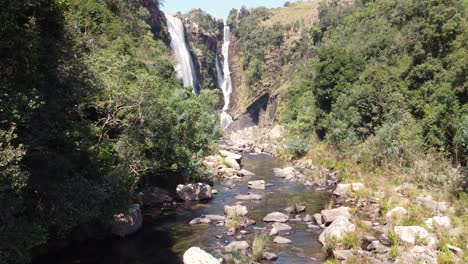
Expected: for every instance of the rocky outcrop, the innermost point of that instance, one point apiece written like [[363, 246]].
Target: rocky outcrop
[[128, 223], [338, 229], [196, 255], [194, 192]]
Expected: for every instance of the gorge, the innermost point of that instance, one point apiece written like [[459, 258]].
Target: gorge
[[322, 131]]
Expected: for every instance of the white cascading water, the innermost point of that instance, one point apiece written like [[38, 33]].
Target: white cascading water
[[184, 68], [226, 86]]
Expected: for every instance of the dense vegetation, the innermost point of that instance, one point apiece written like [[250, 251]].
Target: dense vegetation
[[90, 111], [389, 81]]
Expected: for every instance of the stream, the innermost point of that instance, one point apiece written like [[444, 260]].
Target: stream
[[164, 239]]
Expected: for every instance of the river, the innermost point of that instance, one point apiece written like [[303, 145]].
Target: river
[[164, 238]]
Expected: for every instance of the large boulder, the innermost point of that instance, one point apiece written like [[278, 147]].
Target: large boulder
[[342, 189], [259, 185], [232, 163], [194, 191], [196, 255], [235, 156], [129, 223], [330, 215], [235, 210], [409, 234], [276, 217], [237, 246], [338, 229], [156, 197]]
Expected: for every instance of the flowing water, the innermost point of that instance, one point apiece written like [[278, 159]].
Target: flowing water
[[226, 86], [185, 68], [164, 239]]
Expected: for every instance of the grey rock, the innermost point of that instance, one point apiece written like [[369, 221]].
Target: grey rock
[[237, 246], [234, 156], [338, 228], [307, 218], [269, 256], [396, 214], [276, 217], [235, 210], [281, 240], [439, 222], [342, 189], [408, 234], [330, 215], [274, 232], [342, 254], [247, 197], [245, 173], [281, 227], [318, 219], [259, 185], [194, 191], [195, 255], [428, 202]]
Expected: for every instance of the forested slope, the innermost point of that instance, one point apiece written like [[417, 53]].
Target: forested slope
[[90, 111]]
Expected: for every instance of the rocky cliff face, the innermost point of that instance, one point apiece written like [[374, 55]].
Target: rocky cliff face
[[268, 46], [204, 34]]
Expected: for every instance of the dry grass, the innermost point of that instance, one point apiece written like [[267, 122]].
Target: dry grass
[[305, 12], [260, 244]]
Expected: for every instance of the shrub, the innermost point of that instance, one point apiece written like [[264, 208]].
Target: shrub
[[260, 244]]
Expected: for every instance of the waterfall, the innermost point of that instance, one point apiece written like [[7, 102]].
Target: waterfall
[[226, 86], [184, 68]]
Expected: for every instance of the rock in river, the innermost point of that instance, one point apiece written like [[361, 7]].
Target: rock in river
[[281, 240], [196, 255], [259, 185], [194, 191], [246, 197], [276, 217], [129, 223], [235, 210], [281, 227], [237, 246]]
